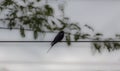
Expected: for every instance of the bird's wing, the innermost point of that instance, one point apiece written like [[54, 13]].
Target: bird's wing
[[56, 39]]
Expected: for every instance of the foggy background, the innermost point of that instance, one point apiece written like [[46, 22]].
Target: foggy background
[[102, 15]]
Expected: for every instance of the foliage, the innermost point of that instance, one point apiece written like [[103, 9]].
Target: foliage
[[42, 18], [36, 18]]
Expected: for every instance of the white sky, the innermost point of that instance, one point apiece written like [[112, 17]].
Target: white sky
[[102, 15]]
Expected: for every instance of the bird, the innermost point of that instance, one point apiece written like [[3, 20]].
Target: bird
[[57, 39]]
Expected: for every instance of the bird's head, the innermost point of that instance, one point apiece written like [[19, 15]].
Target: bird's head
[[62, 32]]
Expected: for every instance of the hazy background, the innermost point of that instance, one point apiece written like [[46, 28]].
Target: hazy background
[[103, 15]]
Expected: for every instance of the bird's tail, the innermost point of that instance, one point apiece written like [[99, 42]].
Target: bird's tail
[[52, 44], [49, 49]]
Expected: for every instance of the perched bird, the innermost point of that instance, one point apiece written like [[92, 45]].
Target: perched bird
[[58, 38]]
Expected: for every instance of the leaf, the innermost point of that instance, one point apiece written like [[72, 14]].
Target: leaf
[[48, 27], [11, 24], [14, 14], [68, 39], [98, 34], [64, 25], [21, 7], [53, 23], [24, 1], [49, 10], [38, 0], [74, 27], [118, 36], [89, 27], [97, 47], [76, 36], [84, 36], [22, 31], [38, 29], [1, 8], [61, 22], [108, 46], [116, 45], [7, 2], [30, 6], [26, 22], [35, 34]]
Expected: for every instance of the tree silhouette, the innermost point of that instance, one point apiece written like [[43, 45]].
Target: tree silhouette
[[26, 15]]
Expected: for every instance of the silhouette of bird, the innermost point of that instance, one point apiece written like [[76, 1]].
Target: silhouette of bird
[[58, 38]]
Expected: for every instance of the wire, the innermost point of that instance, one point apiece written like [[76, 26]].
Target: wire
[[50, 41], [43, 41]]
